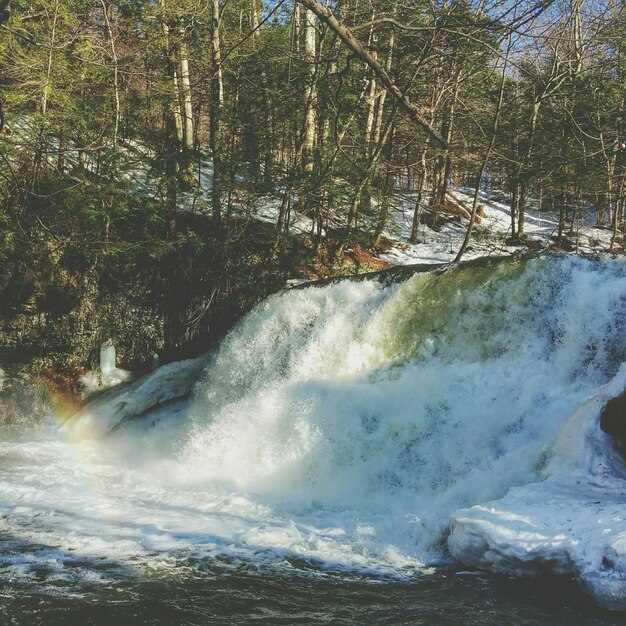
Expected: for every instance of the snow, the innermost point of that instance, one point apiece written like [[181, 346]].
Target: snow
[[167, 383], [441, 245], [96, 380], [488, 237], [573, 522]]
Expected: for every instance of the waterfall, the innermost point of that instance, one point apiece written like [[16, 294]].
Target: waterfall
[[341, 424]]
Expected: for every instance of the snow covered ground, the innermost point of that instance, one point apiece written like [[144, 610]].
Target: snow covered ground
[[140, 169], [489, 236]]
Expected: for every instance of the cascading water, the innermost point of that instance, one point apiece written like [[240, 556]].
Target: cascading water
[[339, 425]]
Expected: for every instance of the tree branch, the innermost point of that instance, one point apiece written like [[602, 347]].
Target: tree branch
[[350, 41]]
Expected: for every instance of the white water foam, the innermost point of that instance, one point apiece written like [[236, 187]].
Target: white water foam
[[341, 424]]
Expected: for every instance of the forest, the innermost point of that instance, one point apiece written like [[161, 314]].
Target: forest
[[326, 110]]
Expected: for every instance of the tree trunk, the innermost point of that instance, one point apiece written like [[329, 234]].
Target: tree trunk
[[370, 103], [106, 10], [174, 122], [383, 214], [365, 181], [443, 164], [562, 214], [382, 96], [217, 95], [487, 156], [418, 200], [62, 151], [39, 152], [523, 176], [296, 26], [174, 95], [310, 93], [187, 173]]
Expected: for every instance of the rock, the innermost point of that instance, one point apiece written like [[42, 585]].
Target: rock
[[613, 418]]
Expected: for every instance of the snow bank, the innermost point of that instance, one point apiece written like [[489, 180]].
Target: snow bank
[[490, 235], [573, 522], [105, 413]]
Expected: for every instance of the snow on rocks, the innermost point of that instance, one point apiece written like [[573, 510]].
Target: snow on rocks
[[573, 522], [169, 382]]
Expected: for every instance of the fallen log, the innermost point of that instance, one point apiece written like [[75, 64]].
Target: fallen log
[[453, 209]]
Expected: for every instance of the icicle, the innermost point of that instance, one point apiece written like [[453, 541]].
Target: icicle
[[107, 357]]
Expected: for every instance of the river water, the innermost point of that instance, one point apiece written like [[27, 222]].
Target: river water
[[311, 476], [291, 597]]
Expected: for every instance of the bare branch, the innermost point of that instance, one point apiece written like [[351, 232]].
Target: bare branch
[[346, 36]]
